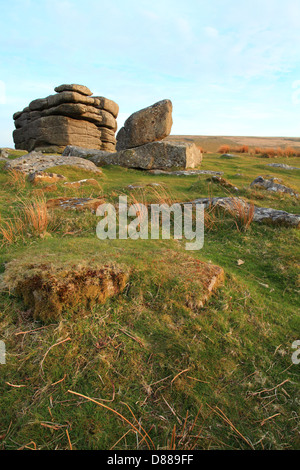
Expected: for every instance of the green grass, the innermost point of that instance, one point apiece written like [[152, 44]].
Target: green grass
[[237, 348]]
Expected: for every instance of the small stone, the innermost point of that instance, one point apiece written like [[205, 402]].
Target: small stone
[[4, 153], [272, 184], [228, 155], [284, 166]]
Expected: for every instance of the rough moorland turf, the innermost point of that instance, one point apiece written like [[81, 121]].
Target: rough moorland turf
[[213, 377]]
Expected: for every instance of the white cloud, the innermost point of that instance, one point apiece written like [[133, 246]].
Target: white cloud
[[185, 29], [211, 32]]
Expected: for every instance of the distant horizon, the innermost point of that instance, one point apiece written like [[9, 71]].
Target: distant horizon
[[12, 146], [238, 135]]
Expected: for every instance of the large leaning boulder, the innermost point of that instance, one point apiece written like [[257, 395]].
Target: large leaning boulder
[[155, 155], [70, 117], [147, 125]]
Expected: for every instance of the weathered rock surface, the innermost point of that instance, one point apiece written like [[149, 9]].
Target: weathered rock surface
[[284, 166], [261, 214], [72, 110], [70, 117], [78, 88], [36, 161], [75, 151], [42, 177], [108, 147], [147, 125], [155, 155], [3, 153], [53, 132], [106, 104], [75, 203], [272, 184], [186, 172]]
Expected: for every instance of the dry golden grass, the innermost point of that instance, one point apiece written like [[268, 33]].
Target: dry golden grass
[[270, 152], [31, 218], [36, 214], [16, 179], [227, 149], [242, 213], [224, 149], [11, 229]]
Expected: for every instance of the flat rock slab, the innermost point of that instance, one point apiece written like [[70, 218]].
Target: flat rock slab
[[36, 161], [49, 289], [156, 155], [284, 166], [261, 214], [272, 184], [147, 125], [186, 172], [75, 203]]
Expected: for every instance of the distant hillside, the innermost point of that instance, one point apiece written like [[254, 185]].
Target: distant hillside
[[212, 143]]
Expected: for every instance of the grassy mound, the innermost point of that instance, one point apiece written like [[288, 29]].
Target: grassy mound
[[48, 289]]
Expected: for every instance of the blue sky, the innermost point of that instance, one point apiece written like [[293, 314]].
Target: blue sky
[[230, 67]]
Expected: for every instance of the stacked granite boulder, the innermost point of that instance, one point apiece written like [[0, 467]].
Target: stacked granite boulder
[[140, 143], [70, 117]]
